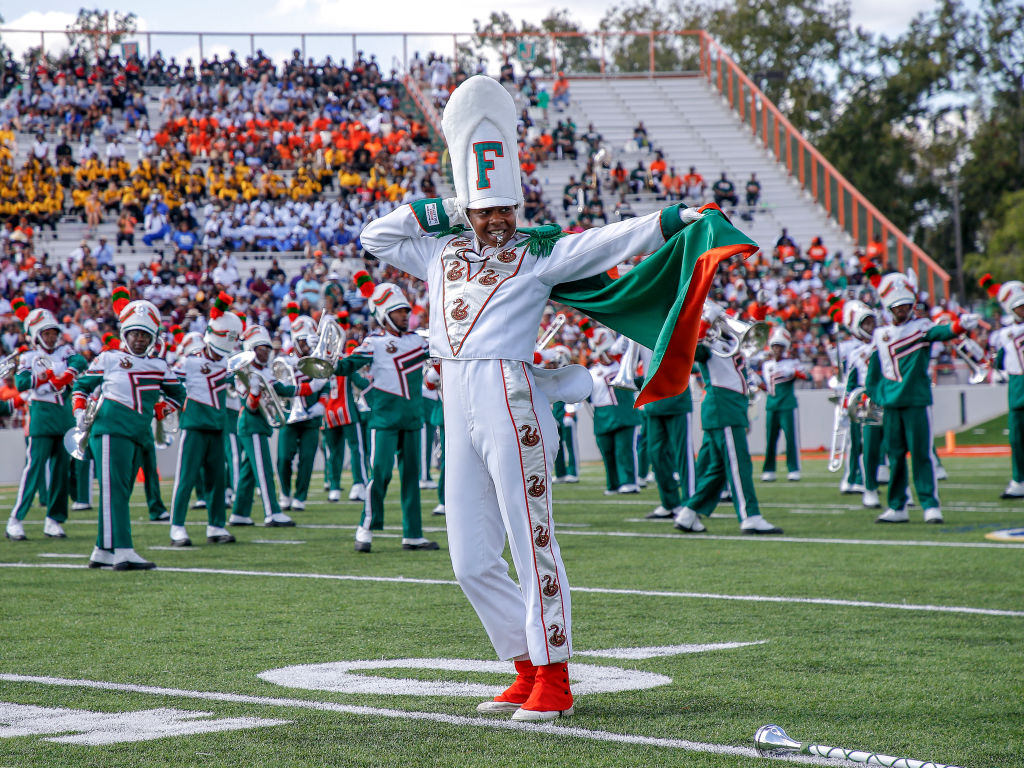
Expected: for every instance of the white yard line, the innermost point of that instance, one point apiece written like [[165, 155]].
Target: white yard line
[[594, 590], [401, 714]]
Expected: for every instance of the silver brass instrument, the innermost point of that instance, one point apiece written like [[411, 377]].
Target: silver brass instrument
[[862, 410], [284, 373], [8, 364], [165, 429], [330, 342], [971, 352], [76, 440], [40, 365], [626, 375], [840, 431], [553, 328], [737, 335], [271, 407], [772, 741]]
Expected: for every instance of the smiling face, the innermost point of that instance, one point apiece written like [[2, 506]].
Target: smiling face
[[493, 226]]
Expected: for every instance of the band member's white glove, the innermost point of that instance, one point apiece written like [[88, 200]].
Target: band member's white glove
[[456, 213], [255, 385], [80, 418], [969, 321], [689, 215]]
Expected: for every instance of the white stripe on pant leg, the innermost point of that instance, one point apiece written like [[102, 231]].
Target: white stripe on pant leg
[[691, 469], [177, 474], [261, 477], [424, 455], [738, 499], [932, 458], [796, 437], [236, 462], [362, 451], [367, 506], [90, 469], [636, 455], [24, 478], [105, 502]]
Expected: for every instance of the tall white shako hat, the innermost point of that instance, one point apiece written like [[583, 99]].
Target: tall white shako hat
[[854, 314], [479, 125], [781, 337], [382, 299], [895, 289]]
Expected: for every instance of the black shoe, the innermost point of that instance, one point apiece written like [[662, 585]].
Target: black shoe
[[773, 531], [161, 518], [128, 565], [181, 542], [424, 545], [97, 564], [55, 535], [663, 514], [224, 539], [15, 538], [363, 546]]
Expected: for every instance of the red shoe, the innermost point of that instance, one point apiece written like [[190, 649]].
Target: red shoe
[[516, 694], [550, 697]]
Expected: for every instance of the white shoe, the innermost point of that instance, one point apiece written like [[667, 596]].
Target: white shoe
[[438, 510], [298, 504], [217, 535], [641, 483], [571, 479], [78, 506], [793, 476], [883, 474], [426, 485], [358, 493], [127, 559], [933, 515], [1014, 490], [533, 716], [758, 525], [199, 504], [686, 520], [845, 486], [285, 502], [15, 530], [610, 493], [239, 520], [659, 513], [52, 529], [101, 558], [278, 520], [893, 516], [870, 500], [334, 495], [768, 477], [179, 536], [650, 477], [941, 474], [628, 488], [364, 539]]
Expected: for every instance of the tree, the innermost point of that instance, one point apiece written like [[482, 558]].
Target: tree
[[569, 49], [1003, 256], [96, 32]]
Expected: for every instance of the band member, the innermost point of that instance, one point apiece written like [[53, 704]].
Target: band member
[[132, 384], [45, 372], [434, 416], [300, 435], [866, 440], [616, 422], [780, 374], [203, 421], [897, 380], [342, 427], [724, 459], [564, 414], [488, 289], [1009, 341], [254, 433], [670, 448], [396, 357], [232, 450], [429, 434]]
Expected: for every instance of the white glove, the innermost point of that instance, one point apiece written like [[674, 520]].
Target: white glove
[[316, 410], [317, 384], [454, 211], [689, 215], [255, 385], [80, 418], [568, 421], [969, 321]]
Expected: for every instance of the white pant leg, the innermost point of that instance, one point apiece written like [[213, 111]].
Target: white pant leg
[[501, 438]]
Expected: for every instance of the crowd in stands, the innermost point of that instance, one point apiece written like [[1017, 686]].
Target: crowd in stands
[[294, 159]]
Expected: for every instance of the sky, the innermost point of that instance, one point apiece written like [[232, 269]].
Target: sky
[[345, 16]]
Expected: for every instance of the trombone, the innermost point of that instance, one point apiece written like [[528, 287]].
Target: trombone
[[549, 333], [271, 406], [322, 359]]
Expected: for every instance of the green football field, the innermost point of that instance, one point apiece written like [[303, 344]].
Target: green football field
[[290, 649]]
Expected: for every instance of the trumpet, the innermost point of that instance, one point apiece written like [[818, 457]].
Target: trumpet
[[76, 440], [549, 333], [862, 410], [971, 352], [164, 430], [271, 407], [330, 342], [9, 363], [737, 335]]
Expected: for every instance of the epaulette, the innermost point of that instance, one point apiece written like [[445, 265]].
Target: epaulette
[[455, 229], [541, 240]]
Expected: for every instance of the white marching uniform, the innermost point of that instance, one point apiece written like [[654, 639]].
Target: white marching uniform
[[500, 436]]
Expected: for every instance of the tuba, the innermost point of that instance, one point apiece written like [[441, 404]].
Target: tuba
[[76, 441], [737, 336], [330, 342], [271, 407]]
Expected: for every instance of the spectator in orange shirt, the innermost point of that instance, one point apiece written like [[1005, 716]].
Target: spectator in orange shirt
[[672, 183], [694, 185], [817, 252], [561, 92]]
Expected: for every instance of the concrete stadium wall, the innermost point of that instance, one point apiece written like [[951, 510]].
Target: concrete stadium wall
[[956, 406]]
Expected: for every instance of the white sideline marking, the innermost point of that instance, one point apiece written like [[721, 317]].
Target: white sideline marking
[[163, 548], [401, 714], [276, 541], [594, 590], [655, 651], [61, 555]]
